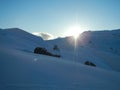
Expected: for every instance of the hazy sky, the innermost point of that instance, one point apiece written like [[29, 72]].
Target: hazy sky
[[56, 16]]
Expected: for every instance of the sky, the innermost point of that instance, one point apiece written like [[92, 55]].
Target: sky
[[57, 17]]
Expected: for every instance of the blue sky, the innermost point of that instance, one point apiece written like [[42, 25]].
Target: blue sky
[[56, 16]]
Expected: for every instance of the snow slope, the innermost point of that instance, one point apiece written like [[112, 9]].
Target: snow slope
[[19, 39], [108, 41], [100, 47], [27, 71], [21, 69]]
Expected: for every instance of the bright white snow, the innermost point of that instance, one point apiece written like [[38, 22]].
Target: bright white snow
[[21, 69]]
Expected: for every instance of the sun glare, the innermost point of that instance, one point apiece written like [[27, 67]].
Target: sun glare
[[74, 31]]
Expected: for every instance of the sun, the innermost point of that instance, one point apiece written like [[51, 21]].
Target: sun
[[74, 31]]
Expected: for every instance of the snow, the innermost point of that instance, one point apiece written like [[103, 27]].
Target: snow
[[21, 69], [100, 47], [19, 39]]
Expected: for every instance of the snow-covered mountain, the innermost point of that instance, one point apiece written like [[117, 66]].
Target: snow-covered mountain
[[19, 39], [100, 47], [108, 41], [21, 69]]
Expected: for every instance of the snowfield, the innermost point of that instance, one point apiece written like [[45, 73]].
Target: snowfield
[[21, 69]]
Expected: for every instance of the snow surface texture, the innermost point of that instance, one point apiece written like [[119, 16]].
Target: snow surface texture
[[21, 69]]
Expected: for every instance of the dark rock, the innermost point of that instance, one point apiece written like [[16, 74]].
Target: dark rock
[[90, 63], [40, 50]]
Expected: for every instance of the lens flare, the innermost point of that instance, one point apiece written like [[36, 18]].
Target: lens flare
[[74, 31]]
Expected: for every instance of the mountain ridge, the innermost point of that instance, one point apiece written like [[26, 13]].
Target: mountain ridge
[[21, 68]]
